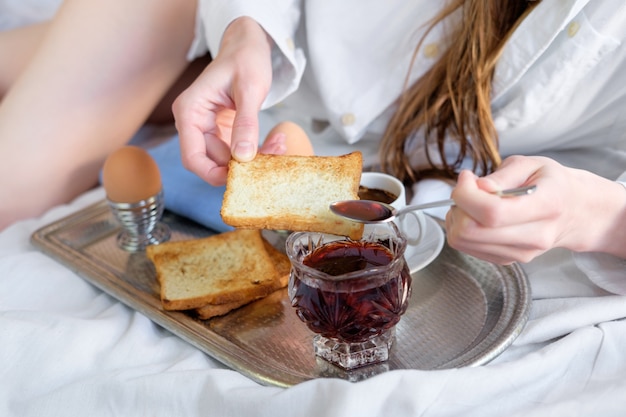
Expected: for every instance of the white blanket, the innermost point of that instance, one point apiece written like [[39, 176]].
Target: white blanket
[[68, 349]]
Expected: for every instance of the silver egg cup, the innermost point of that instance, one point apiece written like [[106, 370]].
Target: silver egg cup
[[141, 223]]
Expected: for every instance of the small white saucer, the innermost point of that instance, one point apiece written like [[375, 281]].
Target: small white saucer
[[421, 255]]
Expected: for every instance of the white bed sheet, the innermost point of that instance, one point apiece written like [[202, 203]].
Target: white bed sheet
[[68, 349]]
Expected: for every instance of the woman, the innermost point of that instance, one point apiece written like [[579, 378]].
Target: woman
[[483, 79]]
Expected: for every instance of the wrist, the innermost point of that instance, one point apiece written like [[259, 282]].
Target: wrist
[[245, 30], [602, 221], [614, 241]]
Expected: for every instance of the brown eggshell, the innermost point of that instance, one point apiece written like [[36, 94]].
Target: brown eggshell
[[130, 175], [297, 141]]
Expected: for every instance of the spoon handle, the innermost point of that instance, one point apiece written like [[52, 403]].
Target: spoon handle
[[514, 192], [424, 206], [511, 192]]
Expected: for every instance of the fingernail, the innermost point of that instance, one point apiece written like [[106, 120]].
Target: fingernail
[[244, 152]]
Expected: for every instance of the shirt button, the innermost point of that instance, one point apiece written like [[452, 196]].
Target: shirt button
[[572, 29], [348, 119], [500, 123], [431, 50], [290, 45]]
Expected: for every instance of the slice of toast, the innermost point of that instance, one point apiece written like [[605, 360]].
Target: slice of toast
[[288, 192], [283, 268], [231, 267]]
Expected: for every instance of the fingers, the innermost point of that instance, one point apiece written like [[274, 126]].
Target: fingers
[[244, 140], [204, 121], [483, 207], [246, 52], [217, 118], [492, 210], [248, 98], [503, 245], [204, 148], [507, 229], [205, 155], [515, 171], [275, 144]]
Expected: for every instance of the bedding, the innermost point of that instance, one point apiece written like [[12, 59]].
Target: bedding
[[67, 348]]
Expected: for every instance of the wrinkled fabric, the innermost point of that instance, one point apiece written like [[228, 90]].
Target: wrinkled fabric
[[66, 348]]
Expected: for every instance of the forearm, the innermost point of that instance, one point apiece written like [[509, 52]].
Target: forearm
[[613, 241]]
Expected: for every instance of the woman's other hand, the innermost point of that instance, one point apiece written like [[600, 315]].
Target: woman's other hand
[[571, 208]]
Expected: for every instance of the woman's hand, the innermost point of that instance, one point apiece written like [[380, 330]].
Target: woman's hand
[[217, 116], [571, 208]]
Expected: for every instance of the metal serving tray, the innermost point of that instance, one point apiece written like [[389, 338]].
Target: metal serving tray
[[463, 311]]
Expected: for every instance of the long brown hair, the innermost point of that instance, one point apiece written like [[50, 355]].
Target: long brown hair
[[452, 101]]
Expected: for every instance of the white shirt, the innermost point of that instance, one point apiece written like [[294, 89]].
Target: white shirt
[[560, 83], [17, 13], [338, 67]]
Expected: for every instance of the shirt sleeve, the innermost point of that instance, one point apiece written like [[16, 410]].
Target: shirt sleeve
[[279, 18]]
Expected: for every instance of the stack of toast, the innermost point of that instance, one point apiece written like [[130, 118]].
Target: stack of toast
[[217, 274]]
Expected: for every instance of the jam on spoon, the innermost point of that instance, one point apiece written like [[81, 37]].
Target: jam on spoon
[[369, 211]]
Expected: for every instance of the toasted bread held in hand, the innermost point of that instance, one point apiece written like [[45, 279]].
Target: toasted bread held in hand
[[232, 267], [288, 192]]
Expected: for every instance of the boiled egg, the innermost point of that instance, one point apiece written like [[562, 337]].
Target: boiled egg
[[296, 139], [130, 175]]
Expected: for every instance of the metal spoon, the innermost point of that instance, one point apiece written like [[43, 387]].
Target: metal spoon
[[369, 211]]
